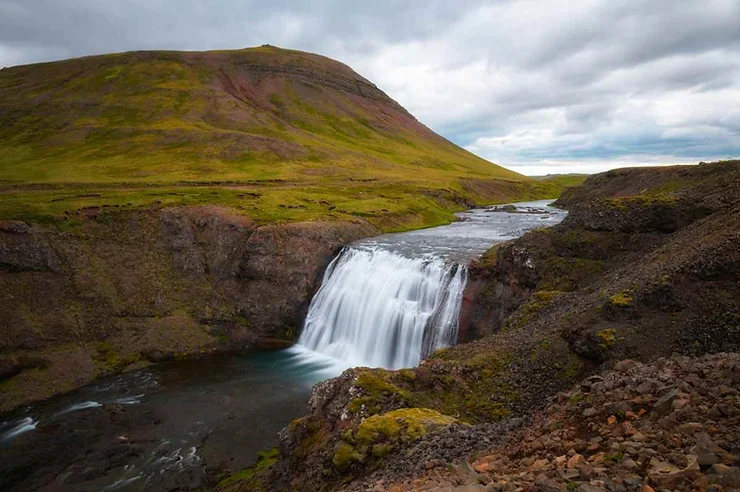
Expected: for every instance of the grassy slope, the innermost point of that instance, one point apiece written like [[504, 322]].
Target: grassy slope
[[281, 135], [563, 180]]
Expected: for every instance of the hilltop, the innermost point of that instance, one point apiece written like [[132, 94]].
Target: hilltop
[[276, 134]]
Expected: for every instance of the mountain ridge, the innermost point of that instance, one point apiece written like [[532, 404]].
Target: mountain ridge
[[254, 77], [306, 137]]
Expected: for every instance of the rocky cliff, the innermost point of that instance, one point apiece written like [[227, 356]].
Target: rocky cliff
[[636, 275], [122, 289]]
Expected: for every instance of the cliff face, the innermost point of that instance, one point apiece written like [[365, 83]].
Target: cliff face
[[123, 289], [624, 276]]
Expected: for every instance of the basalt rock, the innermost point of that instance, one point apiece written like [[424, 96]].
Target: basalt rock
[[640, 449], [125, 288]]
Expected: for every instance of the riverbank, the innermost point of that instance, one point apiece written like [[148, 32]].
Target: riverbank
[[624, 276]]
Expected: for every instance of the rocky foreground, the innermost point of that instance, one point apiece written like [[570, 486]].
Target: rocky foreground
[[670, 425]]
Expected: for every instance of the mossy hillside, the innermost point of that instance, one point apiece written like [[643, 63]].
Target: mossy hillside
[[530, 309], [473, 391], [640, 187], [564, 180], [392, 208], [318, 140], [561, 260]]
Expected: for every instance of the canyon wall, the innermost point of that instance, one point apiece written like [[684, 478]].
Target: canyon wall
[[114, 291]]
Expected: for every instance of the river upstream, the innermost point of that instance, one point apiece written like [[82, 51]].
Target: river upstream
[[387, 301]]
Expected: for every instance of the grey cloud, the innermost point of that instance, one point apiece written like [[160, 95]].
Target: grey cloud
[[519, 81]]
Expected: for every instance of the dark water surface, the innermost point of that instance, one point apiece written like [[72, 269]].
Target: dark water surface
[[158, 428]]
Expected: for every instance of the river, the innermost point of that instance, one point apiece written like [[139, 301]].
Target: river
[[386, 301]]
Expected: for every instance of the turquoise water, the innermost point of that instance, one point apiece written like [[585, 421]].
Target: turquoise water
[[182, 416]]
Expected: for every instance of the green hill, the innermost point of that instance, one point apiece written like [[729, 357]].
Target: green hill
[[564, 180], [280, 135]]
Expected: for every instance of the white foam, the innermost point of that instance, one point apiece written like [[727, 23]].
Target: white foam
[[81, 406], [19, 427], [377, 308]]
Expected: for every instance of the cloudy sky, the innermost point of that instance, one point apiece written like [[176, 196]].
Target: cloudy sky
[[540, 86]]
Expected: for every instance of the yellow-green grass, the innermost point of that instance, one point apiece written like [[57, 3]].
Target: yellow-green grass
[[389, 206], [312, 138], [562, 180]]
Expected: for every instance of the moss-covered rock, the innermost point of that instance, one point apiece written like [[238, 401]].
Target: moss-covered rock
[[345, 455], [377, 392], [621, 299], [400, 425], [380, 435]]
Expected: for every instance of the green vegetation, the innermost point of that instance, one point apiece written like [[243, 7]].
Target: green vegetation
[[345, 455], [621, 299], [147, 129], [378, 392], [472, 391], [530, 309], [562, 180], [607, 338], [406, 424], [249, 477], [379, 435], [617, 457]]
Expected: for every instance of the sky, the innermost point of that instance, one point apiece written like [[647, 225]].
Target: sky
[[539, 86]]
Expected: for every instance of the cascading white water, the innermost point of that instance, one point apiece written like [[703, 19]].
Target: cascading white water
[[377, 308]]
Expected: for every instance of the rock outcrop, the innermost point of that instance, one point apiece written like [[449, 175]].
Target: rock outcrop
[[118, 290], [670, 425]]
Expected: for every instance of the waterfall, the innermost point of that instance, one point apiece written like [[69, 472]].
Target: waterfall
[[377, 308]]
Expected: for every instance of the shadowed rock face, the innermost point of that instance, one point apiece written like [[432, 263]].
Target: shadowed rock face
[[129, 288]]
